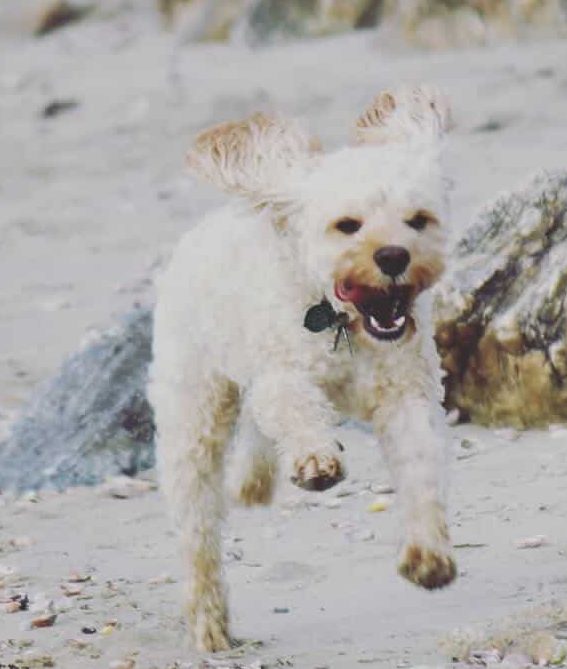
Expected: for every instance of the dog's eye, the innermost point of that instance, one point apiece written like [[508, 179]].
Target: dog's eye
[[348, 226], [418, 221]]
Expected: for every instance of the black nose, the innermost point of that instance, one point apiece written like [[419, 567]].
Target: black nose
[[392, 260]]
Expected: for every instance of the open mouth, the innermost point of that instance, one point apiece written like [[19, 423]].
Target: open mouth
[[385, 311]]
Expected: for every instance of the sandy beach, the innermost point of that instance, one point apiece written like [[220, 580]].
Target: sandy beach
[[93, 200], [312, 580]]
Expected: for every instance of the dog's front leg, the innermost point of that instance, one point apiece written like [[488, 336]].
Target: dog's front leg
[[412, 433], [289, 408]]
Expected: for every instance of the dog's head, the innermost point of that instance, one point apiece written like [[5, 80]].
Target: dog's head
[[368, 220]]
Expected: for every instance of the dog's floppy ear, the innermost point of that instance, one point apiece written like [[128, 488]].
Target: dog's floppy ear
[[250, 157], [422, 112]]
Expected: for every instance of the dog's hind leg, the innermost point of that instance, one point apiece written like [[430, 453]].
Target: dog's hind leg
[[195, 422], [253, 470]]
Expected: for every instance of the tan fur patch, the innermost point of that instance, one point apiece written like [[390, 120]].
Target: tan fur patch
[[209, 629], [206, 608], [258, 488], [249, 156], [315, 473], [226, 142], [427, 568], [378, 112], [358, 266], [424, 272], [404, 114]]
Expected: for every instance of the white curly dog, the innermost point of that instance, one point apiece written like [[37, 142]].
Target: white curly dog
[[254, 314]]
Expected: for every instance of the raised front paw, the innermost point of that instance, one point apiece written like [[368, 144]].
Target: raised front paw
[[427, 567], [318, 472]]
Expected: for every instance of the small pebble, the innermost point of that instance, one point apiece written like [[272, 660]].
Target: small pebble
[[532, 542], [78, 644], [162, 579], [6, 572], [486, 657], [234, 555], [453, 417], [17, 603], [122, 664], [379, 504], [56, 107], [71, 590], [367, 535], [21, 542], [334, 503], [12, 607], [362, 535], [47, 620], [280, 609], [382, 489], [346, 492], [88, 630], [124, 487], [76, 577]]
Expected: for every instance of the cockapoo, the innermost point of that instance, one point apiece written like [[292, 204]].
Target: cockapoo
[[305, 301]]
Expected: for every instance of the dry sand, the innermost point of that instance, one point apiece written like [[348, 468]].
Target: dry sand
[[324, 560], [92, 202]]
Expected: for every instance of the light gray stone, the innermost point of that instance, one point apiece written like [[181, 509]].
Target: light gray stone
[[89, 422]]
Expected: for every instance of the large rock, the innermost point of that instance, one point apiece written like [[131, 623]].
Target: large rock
[[257, 22], [441, 24], [274, 20], [502, 330], [434, 24], [91, 421], [202, 20]]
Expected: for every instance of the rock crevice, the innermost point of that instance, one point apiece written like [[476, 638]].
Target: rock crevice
[[501, 327]]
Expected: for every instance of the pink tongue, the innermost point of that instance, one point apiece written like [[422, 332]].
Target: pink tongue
[[348, 292]]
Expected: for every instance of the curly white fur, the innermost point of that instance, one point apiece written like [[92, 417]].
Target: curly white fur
[[231, 355]]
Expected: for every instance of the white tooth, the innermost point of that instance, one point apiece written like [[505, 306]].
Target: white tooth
[[400, 321], [374, 323]]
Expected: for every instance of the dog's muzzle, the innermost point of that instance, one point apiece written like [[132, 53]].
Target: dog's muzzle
[[384, 311]]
